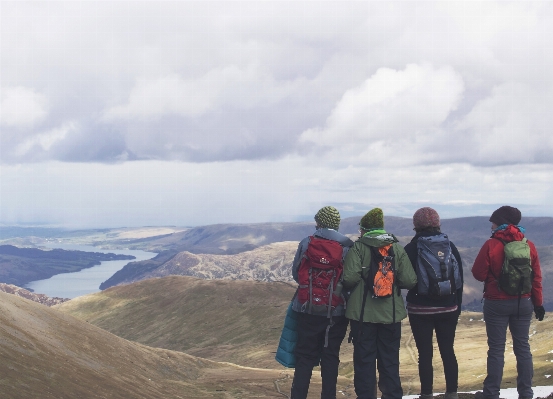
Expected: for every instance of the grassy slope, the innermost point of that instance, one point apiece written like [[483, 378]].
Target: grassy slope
[[233, 321], [47, 354], [243, 327]]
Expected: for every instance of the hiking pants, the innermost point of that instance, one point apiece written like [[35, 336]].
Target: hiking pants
[[377, 342], [498, 315], [423, 327], [310, 348]]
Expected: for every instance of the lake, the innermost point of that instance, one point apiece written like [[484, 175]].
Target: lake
[[85, 281]]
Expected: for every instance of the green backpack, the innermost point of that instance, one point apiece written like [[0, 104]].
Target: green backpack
[[516, 273]]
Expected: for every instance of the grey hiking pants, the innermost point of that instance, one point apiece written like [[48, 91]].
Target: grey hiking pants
[[498, 315]]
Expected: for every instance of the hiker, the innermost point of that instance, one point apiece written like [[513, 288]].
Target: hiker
[[508, 265], [375, 270], [434, 304], [321, 323]]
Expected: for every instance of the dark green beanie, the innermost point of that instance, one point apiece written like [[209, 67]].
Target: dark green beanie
[[373, 219], [328, 217]]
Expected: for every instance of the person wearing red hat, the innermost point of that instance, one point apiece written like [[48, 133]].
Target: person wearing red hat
[[502, 310], [429, 313]]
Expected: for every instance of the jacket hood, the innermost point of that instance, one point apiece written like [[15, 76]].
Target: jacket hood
[[379, 240], [510, 233]]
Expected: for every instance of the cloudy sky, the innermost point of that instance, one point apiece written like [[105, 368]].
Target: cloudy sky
[[191, 113]]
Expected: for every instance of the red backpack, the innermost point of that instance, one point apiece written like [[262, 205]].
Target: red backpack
[[320, 270]]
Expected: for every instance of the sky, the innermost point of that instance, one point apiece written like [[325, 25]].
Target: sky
[[190, 113]]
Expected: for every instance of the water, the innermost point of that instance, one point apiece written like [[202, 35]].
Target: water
[[86, 281]]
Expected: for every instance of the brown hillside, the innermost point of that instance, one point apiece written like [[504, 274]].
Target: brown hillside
[[240, 322], [48, 354], [232, 321]]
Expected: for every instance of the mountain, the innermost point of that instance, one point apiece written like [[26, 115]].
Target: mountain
[[273, 262], [23, 293], [20, 266], [266, 263], [240, 322], [234, 238], [50, 355]]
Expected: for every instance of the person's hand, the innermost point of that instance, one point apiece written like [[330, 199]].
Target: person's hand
[[540, 312]]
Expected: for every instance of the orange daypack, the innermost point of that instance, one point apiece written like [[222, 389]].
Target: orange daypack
[[382, 272]]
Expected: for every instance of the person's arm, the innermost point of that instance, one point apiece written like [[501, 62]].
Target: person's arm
[[482, 263], [302, 247], [537, 294], [352, 267], [459, 292], [407, 278]]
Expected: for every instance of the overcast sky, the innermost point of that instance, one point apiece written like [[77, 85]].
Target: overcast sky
[[191, 113]]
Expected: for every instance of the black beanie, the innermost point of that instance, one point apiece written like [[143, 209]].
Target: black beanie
[[506, 215]]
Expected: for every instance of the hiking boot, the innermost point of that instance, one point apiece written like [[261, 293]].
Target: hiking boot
[[426, 396], [479, 395], [451, 395]]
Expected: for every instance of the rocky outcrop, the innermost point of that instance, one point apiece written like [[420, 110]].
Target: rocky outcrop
[[40, 298]]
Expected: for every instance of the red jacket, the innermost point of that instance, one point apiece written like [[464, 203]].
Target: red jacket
[[491, 257]]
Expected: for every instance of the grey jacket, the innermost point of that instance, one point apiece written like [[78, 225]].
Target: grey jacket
[[329, 234]]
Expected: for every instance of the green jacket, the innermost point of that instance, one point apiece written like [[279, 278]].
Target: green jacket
[[356, 265]]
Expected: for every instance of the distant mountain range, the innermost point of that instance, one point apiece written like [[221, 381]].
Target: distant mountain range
[[261, 252]]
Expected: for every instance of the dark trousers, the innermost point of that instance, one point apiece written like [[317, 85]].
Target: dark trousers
[[423, 327], [310, 348], [499, 315], [377, 342]]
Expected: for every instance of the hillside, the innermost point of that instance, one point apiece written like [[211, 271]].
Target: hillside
[[23, 293], [273, 262], [48, 354], [222, 320], [240, 322], [267, 263]]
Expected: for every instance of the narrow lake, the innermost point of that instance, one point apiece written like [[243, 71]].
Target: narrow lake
[[86, 281]]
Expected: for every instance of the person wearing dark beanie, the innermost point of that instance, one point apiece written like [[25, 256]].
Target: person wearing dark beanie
[[501, 309], [430, 313], [506, 215]]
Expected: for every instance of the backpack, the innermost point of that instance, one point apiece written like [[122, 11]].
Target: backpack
[[516, 272], [438, 272], [381, 272], [319, 272]]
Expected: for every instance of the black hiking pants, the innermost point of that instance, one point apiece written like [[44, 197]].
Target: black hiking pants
[[423, 327], [310, 348], [378, 342]]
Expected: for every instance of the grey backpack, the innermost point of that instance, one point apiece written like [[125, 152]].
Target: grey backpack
[[437, 269]]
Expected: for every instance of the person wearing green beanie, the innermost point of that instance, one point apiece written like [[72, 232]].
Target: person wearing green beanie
[[321, 327], [376, 321]]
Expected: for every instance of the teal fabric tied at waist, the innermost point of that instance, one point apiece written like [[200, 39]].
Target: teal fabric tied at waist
[[285, 354]]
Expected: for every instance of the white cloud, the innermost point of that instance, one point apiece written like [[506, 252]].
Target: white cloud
[[22, 107], [390, 116], [44, 140]]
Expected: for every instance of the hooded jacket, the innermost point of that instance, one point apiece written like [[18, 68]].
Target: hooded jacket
[[487, 266], [356, 269]]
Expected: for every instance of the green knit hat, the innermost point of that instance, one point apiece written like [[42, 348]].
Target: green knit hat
[[373, 219], [328, 217]]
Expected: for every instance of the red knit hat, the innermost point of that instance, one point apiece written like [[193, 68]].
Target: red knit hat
[[426, 217]]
